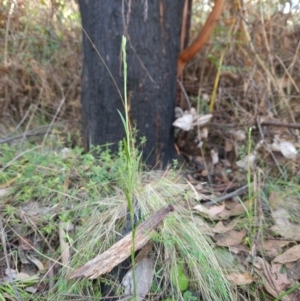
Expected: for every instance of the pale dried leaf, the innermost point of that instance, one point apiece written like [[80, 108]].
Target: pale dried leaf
[[274, 281], [210, 211], [239, 249], [276, 199], [184, 122], [240, 279], [239, 135], [144, 271], [228, 146], [37, 263], [292, 254], [283, 226], [214, 156], [238, 209], [202, 134], [248, 161], [272, 247], [280, 277], [230, 238], [288, 149], [293, 270], [275, 146], [22, 276], [220, 228], [202, 120]]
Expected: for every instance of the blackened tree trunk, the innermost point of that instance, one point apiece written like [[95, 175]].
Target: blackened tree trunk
[[152, 28]]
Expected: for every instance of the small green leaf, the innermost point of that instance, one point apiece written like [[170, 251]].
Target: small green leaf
[[180, 279]]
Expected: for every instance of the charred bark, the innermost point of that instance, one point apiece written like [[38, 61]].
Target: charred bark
[[153, 32]]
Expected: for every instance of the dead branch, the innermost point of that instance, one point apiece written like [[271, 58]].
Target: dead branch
[[121, 250], [281, 124]]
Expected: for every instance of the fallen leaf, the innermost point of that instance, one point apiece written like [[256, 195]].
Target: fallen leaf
[[239, 135], [220, 228], [248, 161], [144, 271], [288, 149], [228, 146], [274, 281], [276, 199], [25, 243], [214, 156], [238, 209], [240, 249], [240, 279], [37, 263], [292, 254], [272, 247], [210, 211], [184, 122], [200, 120], [21, 276], [283, 226], [293, 270], [230, 238]]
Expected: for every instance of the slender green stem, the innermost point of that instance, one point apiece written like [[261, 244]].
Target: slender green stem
[[130, 160]]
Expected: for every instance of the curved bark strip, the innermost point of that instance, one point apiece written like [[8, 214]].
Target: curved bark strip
[[188, 53]]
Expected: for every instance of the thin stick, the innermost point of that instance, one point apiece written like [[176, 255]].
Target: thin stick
[[281, 124], [25, 135], [227, 196]]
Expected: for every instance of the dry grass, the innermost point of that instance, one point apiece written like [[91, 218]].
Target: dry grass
[[40, 64], [260, 71]]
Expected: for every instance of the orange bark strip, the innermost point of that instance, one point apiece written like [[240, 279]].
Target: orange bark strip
[[211, 22]]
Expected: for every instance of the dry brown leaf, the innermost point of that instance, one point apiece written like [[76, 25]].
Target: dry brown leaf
[[272, 247], [274, 281], [230, 204], [276, 199], [228, 146], [25, 243], [292, 254], [240, 279], [21, 276], [40, 266], [237, 210], [293, 270], [239, 249], [211, 211], [281, 279], [220, 228], [230, 238], [283, 226]]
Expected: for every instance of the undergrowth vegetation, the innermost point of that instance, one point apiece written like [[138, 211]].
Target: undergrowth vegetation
[[60, 207]]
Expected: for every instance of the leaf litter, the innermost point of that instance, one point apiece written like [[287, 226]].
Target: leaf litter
[[258, 226]]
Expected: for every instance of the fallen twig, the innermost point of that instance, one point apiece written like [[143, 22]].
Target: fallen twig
[[228, 195], [26, 135], [281, 124]]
